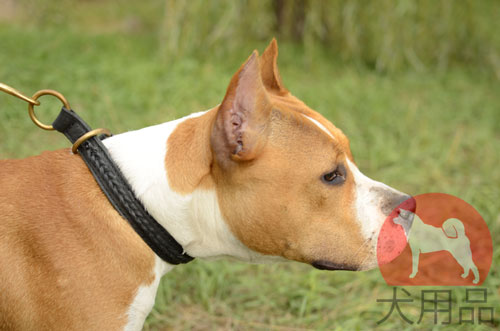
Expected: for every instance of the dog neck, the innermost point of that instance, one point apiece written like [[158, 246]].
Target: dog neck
[[193, 219]]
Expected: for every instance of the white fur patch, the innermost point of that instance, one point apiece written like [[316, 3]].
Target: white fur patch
[[368, 198], [319, 125], [145, 298]]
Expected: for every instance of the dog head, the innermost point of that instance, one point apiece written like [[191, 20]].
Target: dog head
[[286, 180]]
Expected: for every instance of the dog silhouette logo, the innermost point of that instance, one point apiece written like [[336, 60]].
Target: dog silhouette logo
[[451, 237], [435, 239]]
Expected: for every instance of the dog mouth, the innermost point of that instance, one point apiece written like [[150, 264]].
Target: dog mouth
[[327, 265]]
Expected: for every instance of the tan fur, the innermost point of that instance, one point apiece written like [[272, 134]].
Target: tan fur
[[269, 69], [192, 141], [66, 253], [277, 204]]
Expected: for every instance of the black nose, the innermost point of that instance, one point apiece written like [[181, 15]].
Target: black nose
[[397, 199]]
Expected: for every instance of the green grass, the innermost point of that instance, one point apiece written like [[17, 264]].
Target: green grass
[[429, 131]]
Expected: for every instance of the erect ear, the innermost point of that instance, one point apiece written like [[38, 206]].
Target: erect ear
[[242, 124], [269, 69]]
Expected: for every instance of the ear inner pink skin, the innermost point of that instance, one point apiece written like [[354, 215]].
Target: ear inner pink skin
[[240, 131]]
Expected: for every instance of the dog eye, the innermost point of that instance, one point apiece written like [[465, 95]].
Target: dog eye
[[335, 177], [330, 177]]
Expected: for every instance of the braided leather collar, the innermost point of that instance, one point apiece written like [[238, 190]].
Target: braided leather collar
[[117, 189]]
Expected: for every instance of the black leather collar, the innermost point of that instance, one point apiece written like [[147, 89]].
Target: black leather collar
[[117, 189]]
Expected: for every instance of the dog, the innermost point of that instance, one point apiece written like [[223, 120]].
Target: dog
[[261, 178], [425, 238]]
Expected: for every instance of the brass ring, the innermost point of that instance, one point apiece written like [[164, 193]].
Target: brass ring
[[31, 109], [88, 135]]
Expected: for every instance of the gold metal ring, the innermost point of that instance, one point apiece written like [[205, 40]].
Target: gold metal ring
[[88, 135], [35, 97], [17, 94]]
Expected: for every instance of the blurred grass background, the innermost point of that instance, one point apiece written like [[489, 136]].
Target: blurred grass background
[[414, 84]]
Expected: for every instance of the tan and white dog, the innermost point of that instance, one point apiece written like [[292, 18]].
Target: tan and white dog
[[261, 177]]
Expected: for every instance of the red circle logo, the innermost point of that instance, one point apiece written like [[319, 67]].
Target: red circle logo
[[434, 239]]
